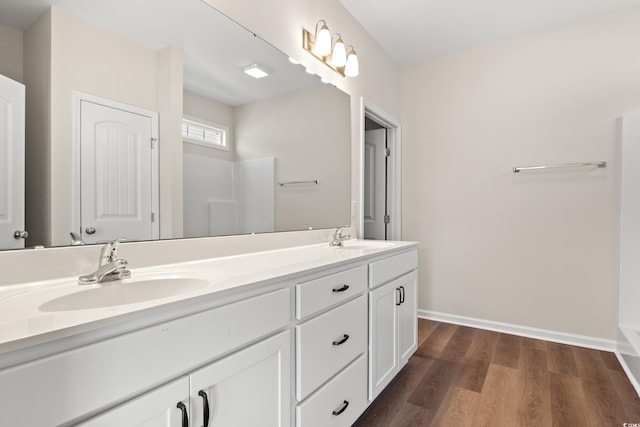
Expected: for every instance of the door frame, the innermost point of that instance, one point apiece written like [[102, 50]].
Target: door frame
[[77, 98], [394, 167]]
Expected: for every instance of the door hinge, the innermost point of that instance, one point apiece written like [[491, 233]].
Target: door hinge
[[387, 152], [153, 217], [153, 143], [387, 219]]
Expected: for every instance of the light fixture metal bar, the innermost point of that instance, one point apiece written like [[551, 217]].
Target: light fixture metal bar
[[307, 44]]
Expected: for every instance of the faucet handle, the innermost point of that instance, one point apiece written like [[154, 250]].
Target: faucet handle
[[109, 252]]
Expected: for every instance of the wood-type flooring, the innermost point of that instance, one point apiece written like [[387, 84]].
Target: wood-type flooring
[[462, 376]]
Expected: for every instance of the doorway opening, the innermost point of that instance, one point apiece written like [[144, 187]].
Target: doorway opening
[[381, 166]]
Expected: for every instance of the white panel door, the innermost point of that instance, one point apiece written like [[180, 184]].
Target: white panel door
[[249, 388], [12, 104], [375, 192], [116, 174], [158, 408], [383, 337]]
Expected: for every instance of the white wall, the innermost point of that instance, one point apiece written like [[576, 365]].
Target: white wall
[[11, 41], [312, 145], [537, 249]]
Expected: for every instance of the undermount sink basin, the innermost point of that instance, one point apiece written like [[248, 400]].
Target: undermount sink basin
[[367, 244], [129, 291]]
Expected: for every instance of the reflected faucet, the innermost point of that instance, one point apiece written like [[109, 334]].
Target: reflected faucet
[[339, 237], [76, 240], [110, 267]]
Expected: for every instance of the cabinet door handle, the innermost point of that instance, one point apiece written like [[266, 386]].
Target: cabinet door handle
[[342, 408], [203, 394], [342, 340], [341, 288], [185, 416], [401, 294]]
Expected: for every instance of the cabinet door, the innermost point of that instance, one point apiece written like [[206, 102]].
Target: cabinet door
[[249, 388], [383, 337], [408, 317], [157, 408]]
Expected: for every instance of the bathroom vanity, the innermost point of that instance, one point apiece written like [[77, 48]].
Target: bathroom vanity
[[305, 336]]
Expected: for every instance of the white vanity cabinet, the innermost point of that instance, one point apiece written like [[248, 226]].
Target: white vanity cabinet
[[393, 322], [311, 347], [248, 388]]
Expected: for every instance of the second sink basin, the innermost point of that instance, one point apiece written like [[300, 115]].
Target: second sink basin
[[129, 291]]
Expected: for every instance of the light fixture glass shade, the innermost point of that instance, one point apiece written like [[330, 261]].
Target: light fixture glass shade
[[352, 69], [339, 54], [322, 43]]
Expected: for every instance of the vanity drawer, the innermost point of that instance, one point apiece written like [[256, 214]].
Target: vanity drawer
[[392, 267], [326, 344], [349, 389], [318, 294]]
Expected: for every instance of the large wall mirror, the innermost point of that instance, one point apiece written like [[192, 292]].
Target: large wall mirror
[[141, 122]]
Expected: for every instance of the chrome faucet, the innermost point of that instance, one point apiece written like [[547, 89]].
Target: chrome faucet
[[110, 267], [339, 237]]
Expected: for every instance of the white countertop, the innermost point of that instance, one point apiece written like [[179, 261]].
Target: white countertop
[[28, 313]]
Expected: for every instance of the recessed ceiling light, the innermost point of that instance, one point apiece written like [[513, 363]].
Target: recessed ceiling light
[[256, 71], [294, 61]]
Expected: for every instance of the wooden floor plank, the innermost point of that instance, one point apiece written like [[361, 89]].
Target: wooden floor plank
[[599, 389], [628, 395], [534, 402], [437, 341], [561, 359], [425, 329], [409, 416], [483, 345], [507, 351], [382, 411], [459, 343], [497, 406], [432, 389], [459, 411], [567, 401], [475, 377]]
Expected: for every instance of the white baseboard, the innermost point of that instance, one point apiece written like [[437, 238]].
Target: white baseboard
[[525, 331]]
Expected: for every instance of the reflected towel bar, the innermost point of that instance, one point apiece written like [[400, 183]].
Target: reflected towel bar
[[313, 182], [566, 165]]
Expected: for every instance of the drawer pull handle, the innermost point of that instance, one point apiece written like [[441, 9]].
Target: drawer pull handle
[[204, 397], [399, 298], [341, 288], [342, 340], [401, 294], [185, 416], [342, 408]]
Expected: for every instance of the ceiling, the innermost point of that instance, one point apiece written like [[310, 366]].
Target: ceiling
[[411, 31]]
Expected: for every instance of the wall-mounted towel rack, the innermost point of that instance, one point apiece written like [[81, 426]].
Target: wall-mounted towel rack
[[311, 182], [565, 165]]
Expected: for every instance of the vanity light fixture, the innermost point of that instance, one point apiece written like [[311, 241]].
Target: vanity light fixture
[[256, 71], [351, 69], [330, 50], [338, 53]]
